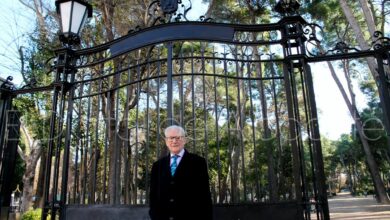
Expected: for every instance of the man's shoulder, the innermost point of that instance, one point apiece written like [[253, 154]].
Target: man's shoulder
[[161, 160], [194, 156]]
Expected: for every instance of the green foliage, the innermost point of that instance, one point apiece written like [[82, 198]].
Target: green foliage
[[328, 152], [242, 11], [33, 109], [32, 214], [349, 153], [18, 175]]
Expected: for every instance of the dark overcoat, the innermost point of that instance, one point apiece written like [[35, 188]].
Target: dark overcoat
[[184, 196]]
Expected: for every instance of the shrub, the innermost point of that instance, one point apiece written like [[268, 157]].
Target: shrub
[[32, 214]]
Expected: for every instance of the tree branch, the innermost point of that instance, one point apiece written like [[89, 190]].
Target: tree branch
[[26, 134], [22, 64], [21, 154]]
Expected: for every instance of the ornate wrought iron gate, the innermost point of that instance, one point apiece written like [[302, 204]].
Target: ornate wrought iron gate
[[244, 94], [222, 83]]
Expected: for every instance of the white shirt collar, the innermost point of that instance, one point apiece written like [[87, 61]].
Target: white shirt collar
[[181, 153]]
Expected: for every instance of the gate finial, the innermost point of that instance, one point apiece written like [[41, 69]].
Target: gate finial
[[168, 6], [287, 7]]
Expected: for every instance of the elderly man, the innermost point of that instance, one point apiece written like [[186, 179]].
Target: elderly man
[[179, 188]]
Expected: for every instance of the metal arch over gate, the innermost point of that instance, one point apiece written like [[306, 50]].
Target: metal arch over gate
[[244, 94]]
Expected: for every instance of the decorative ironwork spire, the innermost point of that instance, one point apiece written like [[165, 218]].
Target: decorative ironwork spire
[[167, 11], [169, 6], [287, 7]]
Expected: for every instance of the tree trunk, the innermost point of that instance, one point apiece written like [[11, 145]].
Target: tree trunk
[[368, 16], [235, 155], [107, 9], [359, 35], [41, 180], [236, 151], [350, 180], [29, 176], [372, 64], [30, 157], [373, 167], [126, 166], [92, 173], [273, 186], [224, 188], [272, 180], [112, 149]]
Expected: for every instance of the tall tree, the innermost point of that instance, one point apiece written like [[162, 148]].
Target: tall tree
[[342, 33], [34, 106]]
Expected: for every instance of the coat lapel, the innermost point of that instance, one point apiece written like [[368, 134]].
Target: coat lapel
[[166, 166]]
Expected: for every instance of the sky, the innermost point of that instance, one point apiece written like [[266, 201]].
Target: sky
[[334, 119], [15, 23]]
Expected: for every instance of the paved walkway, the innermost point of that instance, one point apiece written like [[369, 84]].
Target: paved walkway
[[345, 207]]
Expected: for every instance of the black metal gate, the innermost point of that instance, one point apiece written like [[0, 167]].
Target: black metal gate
[[244, 94], [245, 99]]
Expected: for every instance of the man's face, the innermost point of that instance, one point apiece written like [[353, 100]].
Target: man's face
[[175, 141]]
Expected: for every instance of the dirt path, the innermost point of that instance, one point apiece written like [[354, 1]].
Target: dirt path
[[344, 206]]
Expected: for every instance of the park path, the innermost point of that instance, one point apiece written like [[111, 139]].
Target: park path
[[346, 207]]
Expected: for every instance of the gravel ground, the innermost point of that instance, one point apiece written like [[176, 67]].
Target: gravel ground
[[345, 207]]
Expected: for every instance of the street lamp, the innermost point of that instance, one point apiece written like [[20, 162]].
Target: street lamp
[[287, 7], [73, 14]]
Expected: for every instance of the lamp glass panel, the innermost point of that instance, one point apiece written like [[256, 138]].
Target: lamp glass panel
[[85, 17], [77, 17], [65, 10]]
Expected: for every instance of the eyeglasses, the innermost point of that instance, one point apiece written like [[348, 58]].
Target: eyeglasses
[[177, 138]]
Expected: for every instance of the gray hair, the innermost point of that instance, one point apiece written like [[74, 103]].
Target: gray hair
[[175, 127]]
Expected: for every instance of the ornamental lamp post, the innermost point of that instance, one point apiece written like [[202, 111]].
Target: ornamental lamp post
[[287, 7], [73, 14]]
